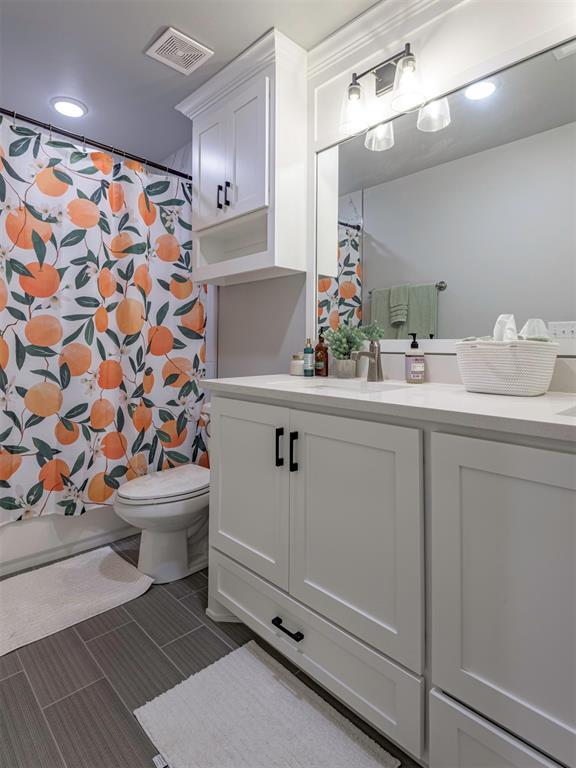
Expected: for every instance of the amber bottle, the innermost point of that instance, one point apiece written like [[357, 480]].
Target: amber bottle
[[321, 358]]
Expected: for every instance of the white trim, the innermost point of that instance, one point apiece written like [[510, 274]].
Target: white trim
[[65, 550], [368, 28], [251, 61]]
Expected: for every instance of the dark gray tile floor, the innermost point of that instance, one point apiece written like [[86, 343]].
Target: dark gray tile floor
[[66, 701]]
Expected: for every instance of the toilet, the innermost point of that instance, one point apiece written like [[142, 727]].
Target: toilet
[[171, 509]]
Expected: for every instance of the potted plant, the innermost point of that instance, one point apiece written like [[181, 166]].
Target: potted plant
[[341, 343]]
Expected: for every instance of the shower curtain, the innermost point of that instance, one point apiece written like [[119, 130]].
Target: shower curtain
[[340, 298], [102, 327]]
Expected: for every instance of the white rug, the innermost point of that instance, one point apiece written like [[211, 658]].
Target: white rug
[[248, 711], [40, 602]]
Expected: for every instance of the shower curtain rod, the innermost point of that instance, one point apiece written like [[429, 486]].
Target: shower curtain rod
[[98, 144]]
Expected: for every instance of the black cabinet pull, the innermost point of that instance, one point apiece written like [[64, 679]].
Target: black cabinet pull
[[218, 202], [227, 186], [293, 464], [296, 636], [279, 434]]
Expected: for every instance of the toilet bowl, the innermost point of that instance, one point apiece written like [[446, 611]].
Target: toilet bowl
[[171, 509]]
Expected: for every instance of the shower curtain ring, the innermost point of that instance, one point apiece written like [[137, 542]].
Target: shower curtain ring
[[50, 130], [84, 144], [14, 119]]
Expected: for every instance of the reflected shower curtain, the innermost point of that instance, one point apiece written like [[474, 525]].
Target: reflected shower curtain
[[340, 298], [102, 328]]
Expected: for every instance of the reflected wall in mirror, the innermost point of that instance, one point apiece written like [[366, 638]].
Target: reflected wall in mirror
[[485, 202]]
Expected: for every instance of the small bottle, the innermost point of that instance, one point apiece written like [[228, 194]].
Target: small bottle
[[297, 365], [415, 363], [321, 357], [308, 358]]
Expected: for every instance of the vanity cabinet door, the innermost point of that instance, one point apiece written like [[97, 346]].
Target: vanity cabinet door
[[504, 586], [247, 149], [208, 168], [357, 529], [249, 486], [461, 739]]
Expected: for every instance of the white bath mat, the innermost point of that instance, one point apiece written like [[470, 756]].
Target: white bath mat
[[40, 602], [248, 711]]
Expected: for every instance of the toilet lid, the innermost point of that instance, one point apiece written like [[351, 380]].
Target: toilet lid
[[181, 482]]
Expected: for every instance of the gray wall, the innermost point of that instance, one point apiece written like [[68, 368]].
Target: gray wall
[[261, 325], [499, 226]]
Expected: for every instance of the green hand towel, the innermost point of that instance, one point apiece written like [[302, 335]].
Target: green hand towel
[[380, 312], [422, 310], [399, 296]]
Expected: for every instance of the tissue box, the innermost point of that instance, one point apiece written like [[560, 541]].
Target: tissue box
[[522, 368]]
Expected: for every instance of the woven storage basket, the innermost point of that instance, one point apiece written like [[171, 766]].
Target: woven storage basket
[[507, 368]]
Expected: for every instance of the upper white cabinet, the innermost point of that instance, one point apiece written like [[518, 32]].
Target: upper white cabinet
[[230, 156], [249, 165], [356, 529], [504, 586]]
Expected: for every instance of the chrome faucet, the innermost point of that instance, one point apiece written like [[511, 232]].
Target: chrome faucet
[[375, 362]]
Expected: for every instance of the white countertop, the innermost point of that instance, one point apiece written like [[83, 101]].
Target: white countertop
[[550, 416]]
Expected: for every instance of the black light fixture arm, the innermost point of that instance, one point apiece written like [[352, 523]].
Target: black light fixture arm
[[407, 51]]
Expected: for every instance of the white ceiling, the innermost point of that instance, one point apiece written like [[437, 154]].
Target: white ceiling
[[534, 96], [93, 50]]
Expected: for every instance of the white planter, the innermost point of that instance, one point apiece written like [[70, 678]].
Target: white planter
[[343, 369]]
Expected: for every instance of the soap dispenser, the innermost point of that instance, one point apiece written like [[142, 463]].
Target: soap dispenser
[[415, 363]]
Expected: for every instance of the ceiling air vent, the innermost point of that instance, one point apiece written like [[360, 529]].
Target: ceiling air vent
[[179, 51]]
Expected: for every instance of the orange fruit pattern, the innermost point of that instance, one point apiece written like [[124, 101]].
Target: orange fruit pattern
[[340, 298], [102, 326]]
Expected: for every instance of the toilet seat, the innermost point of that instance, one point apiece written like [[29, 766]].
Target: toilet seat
[[166, 487]]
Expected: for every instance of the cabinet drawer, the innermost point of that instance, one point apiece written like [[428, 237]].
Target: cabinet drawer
[[461, 739], [384, 694]]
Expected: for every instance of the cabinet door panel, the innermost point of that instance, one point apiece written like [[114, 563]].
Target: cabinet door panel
[[461, 739], [504, 586], [247, 148], [356, 521], [249, 494], [208, 168]]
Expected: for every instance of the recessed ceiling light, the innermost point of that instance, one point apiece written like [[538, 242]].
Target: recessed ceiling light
[[480, 90], [69, 107]]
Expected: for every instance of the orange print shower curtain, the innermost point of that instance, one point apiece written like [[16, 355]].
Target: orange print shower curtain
[[102, 327]]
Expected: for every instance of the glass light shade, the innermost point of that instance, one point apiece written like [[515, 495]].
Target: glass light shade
[[353, 115], [380, 138], [434, 116], [408, 92]]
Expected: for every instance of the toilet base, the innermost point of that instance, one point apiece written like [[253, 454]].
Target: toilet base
[[164, 556]]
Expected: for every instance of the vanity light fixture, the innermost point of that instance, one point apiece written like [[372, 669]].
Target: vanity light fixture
[[480, 90], [380, 138], [407, 91], [434, 116], [69, 107]]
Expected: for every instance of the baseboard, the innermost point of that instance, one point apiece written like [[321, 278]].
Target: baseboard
[[222, 618], [65, 550]]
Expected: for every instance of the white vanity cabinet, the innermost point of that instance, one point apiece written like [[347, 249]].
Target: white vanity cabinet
[[230, 151], [249, 486], [315, 515], [461, 739], [504, 587], [356, 529]]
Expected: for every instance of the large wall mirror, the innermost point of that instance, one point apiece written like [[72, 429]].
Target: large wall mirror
[[463, 213]]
